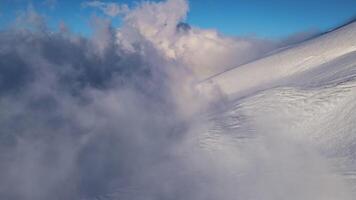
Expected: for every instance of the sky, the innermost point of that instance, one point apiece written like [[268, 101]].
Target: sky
[[267, 19]]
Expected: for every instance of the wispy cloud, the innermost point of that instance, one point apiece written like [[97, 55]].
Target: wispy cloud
[[50, 3], [109, 8]]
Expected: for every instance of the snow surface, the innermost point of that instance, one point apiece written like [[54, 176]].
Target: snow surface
[[296, 110], [300, 58]]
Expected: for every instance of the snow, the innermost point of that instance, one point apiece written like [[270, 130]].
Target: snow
[[294, 112], [300, 58]]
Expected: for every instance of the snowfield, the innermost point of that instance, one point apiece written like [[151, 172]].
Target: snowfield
[[266, 72], [296, 109]]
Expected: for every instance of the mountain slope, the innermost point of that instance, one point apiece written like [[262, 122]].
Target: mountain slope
[[267, 71], [294, 112]]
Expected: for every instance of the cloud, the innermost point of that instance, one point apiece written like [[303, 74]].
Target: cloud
[[301, 36], [82, 118], [50, 3], [109, 8], [30, 19], [204, 52]]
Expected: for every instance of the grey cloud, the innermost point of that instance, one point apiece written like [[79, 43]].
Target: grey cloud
[[183, 27], [301, 36], [79, 119]]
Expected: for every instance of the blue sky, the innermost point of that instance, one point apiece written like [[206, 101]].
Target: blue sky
[[270, 19]]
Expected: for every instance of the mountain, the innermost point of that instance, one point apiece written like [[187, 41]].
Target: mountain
[[295, 112], [267, 72]]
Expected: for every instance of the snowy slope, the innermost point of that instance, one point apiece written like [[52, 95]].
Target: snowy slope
[[296, 111], [302, 57]]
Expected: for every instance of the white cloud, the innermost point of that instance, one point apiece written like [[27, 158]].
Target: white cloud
[[204, 52], [109, 8], [50, 3], [199, 53]]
